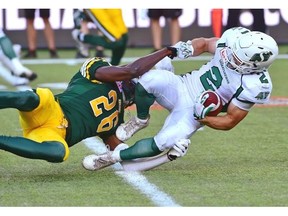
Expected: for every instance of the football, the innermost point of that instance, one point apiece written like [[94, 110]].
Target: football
[[212, 97]]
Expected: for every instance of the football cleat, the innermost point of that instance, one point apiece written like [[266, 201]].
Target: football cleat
[[95, 162], [129, 128], [30, 76]]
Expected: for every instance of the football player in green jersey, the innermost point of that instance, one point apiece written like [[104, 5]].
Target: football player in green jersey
[[114, 32], [92, 105]]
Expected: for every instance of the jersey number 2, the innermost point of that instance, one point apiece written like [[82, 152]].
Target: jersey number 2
[[212, 76]]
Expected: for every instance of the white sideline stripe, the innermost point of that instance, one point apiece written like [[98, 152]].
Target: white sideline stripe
[[135, 179], [74, 61]]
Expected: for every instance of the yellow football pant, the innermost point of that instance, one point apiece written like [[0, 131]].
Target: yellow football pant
[[47, 122]]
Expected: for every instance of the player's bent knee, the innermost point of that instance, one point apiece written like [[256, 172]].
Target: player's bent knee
[[56, 151], [28, 101]]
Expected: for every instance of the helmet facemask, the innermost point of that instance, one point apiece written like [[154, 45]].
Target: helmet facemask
[[242, 67]]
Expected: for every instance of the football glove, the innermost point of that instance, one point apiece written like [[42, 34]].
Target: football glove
[[179, 149], [184, 49], [200, 111]]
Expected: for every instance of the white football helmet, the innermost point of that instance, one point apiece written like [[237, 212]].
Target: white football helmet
[[252, 52]]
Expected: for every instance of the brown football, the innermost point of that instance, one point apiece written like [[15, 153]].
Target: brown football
[[214, 98]]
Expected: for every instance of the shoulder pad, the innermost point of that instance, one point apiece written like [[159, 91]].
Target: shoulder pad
[[257, 88], [90, 66]]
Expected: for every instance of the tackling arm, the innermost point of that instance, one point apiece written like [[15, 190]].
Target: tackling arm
[[132, 70]]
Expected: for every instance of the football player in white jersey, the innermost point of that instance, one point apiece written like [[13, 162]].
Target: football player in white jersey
[[11, 68], [238, 73]]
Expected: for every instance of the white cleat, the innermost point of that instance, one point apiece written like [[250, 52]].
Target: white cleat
[[95, 162], [129, 128]]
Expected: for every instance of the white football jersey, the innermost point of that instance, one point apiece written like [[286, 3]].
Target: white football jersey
[[178, 93], [242, 90]]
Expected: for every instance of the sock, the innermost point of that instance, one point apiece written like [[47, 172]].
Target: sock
[[118, 47], [116, 152], [49, 151], [7, 47], [143, 164], [142, 148], [118, 53], [144, 121], [143, 101]]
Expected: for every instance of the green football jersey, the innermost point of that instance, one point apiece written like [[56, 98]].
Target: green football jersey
[[92, 108]]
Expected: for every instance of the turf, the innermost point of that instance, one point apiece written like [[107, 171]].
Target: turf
[[243, 167]]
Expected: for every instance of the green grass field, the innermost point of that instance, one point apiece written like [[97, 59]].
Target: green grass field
[[243, 167]]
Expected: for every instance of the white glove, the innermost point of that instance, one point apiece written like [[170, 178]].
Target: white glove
[[165, 64], [200, 111], [179, 149], [184, 49]]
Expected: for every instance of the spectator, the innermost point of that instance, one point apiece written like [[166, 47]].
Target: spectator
[[258, 24], [32, 33], [13, 70], [171, 15]]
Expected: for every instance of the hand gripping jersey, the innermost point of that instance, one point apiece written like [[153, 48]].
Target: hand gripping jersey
[[242, 90], [93, 108]]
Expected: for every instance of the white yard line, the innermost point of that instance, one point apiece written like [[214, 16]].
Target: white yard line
[[135, 179]]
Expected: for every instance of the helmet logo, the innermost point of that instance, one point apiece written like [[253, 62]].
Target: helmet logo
[[261, 57]]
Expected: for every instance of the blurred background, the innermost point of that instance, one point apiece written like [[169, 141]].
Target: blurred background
[[193, 23]]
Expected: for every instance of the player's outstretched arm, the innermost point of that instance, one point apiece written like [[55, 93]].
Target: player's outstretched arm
[[134, 69]]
